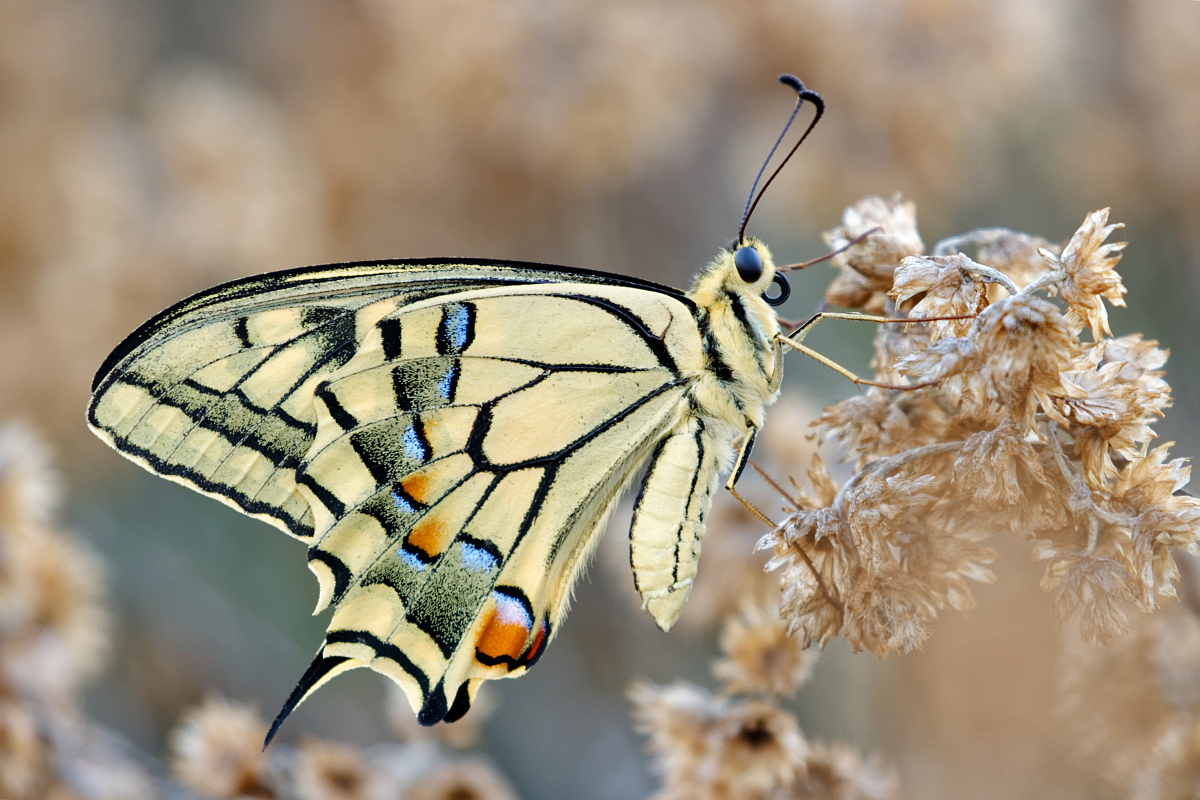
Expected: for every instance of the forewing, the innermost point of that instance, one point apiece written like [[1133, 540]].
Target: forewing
[[465, 458], [217, 392]]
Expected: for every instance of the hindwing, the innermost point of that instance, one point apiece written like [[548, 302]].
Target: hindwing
[[465, 458]]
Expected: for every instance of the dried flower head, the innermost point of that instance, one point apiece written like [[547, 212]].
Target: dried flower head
[[998, 467], [1012, 253], [53, 623], [217, 750], [867, 267], [1022, 427], [1090, 264], [880, 423], [1095, 587], [718, 748], [1130, 711], [1013, 358], [949, 288], [715, 748], [1109, 402], [29, 487], [760, 657], [60, 627], [838, 772], [330, 771], [463, 779]]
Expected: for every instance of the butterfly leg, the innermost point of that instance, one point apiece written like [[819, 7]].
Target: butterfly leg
[[743, 458], [777, 371], [804, 328], [795, 341]]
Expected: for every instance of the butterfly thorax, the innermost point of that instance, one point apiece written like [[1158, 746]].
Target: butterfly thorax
[[737, 327]]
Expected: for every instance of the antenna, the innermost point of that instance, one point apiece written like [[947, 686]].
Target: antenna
[[803, 94]]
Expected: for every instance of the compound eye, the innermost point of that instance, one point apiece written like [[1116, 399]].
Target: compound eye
[[749, 263]]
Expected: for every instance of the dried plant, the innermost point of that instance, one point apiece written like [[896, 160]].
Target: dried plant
[[1130, 712], [54, 629], [54, 632], [741, 744], [1017, 422], [217, 753], [1025, 416]]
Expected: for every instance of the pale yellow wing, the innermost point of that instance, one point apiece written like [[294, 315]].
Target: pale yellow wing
[[448, 450], [216, 392]]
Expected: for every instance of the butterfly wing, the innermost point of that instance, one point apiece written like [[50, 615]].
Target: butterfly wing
[[216, 392], [448, 455], [465, 458]]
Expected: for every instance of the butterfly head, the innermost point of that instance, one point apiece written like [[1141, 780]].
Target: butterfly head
[[746, 270]]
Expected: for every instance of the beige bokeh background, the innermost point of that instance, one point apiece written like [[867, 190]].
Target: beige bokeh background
[[152, 148]]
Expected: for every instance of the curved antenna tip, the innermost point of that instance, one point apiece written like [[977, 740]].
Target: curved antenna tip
[[794, 83]]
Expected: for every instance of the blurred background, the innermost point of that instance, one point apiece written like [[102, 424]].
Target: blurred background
[[152, 148]]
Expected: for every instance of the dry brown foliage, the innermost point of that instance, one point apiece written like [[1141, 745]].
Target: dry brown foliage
[[1025, 426]]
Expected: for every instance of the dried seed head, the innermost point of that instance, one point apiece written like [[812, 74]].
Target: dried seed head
[[217, 750], [838, 772], [888, 614], [760, 657], [1094, 585], [1018, 347], [330, 771], [1015, 254], [1090, 264], [463, 779], [946, 557], [1130, 710], [815, 551], [878, 423], [867, 267], [754, 748], [54, 626], [949, 287], [1108, 403], [892, 344], [881, 502], [677, 718], [711, 747], [996, 467]]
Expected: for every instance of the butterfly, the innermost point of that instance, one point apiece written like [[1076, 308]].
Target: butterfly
[[449, 436]]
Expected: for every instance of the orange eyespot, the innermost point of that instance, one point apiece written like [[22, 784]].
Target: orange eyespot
[[417, 487], [503, 637], [429, 536]]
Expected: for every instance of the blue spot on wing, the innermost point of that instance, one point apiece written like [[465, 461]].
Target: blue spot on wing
[[414, 448], [446, 384], [457, 328], [476, 559], [511, 610], [410, 559], [457, 323], [402, 503]]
